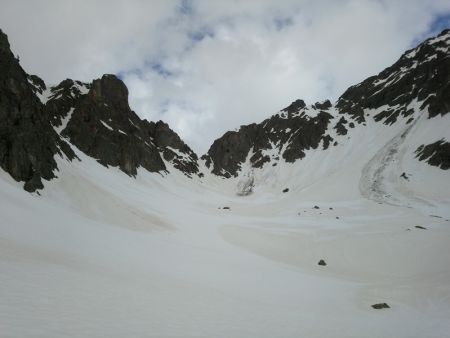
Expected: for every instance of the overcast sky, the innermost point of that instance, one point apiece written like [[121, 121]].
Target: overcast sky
[[207, 66]]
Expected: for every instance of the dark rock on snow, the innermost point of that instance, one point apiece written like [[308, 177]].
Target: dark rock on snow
[[291, 126], [380, 306], [322, 263], [436, 154]]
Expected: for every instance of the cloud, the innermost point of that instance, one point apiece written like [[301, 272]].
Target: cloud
[[209, 66]]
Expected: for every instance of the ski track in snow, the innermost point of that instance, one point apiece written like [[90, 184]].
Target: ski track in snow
[[380, 176]]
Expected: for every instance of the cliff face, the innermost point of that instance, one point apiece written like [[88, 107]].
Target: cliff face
[[101, 124], [28, 142]]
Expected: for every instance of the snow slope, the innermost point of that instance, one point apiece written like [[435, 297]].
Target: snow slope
[[100, 254]]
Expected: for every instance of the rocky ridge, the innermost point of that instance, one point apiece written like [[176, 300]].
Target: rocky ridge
[[420, 75], [97, 119], [39, 122]]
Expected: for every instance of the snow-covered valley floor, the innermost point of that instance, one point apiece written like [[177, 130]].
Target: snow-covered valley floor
[[100, 254]]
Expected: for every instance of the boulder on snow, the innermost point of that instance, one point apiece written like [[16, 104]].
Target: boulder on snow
[[322, 263], [380, 306], [403, 175]]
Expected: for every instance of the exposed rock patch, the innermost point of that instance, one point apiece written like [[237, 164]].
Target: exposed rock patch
[[436, 154], [380, 306], [289, 133]]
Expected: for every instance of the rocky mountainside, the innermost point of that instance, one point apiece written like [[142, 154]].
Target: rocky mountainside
[[39, 122], [421, 75], [97, 119]]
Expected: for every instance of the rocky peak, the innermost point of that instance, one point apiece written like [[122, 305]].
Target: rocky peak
[[109, 89], [101, 124]]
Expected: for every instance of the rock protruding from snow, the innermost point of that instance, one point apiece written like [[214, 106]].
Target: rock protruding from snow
[[436, 154], [172, 147], [63, 97], [287, 134], [322, 263]]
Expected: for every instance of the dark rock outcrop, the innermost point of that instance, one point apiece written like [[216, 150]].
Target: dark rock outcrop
[[104, 127], [28, 142], [436, 154], [325, 105], [172, 147], [380, 306], [37, 84], [287, 134], [64, 97], [340, 126], [101, 124]]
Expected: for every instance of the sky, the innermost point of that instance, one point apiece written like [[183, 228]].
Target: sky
[[206, 66]]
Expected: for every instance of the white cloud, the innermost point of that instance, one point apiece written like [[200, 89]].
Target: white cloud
[[208, 66]]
